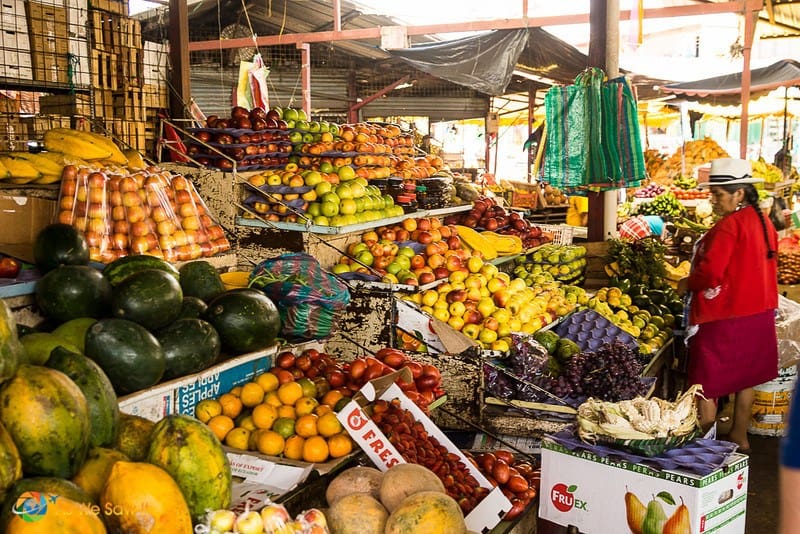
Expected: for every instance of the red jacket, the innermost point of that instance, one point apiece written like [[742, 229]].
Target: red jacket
[[732, 257]]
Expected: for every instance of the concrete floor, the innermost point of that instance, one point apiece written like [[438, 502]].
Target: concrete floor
[[762, 487]]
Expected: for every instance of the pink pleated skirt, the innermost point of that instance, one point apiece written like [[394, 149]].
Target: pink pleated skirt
[[734, 354]]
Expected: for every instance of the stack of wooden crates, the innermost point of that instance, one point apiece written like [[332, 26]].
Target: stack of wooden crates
[[94, 48]]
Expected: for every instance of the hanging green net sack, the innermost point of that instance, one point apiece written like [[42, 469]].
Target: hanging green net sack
[[567, 144], [308, 297]]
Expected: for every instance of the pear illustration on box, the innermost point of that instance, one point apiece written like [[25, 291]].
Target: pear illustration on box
[[652, 519]]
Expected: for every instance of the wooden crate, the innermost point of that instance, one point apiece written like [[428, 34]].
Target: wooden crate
[[128, 104], [104, 70], [103, 102], [119, 7], [129, 67], [38, 125], [76, 104], [129, 33], [102, 31], [596, 275], [155, 96]]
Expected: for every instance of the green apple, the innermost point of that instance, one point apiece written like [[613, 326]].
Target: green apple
[[347, 206], [357, 189], [314, 209], [301, 115], [295, 137], [329, 209], [344, 191], [334, 129], [331, 197], [301, 125], [308, 137], [314, 127], [349, 219], [406, 251], [346, 172], [337, 220], [312, 178], [322, 188], [340, 268], [388, 200], [290, 123], [326, 167], [321, 220], [290, 114], [324, 126], [365, 257]]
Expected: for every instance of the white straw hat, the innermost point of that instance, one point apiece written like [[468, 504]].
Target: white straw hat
[[730, 171]]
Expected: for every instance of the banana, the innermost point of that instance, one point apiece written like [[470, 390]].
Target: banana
[[64, 159], [19, 168], [135, 160], [505, 244], [478, 242], [43, 164], [67, 141], [4, 172], [47, 179], [116, 154]]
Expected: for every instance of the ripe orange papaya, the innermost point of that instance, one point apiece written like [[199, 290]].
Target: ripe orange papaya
[[54, 513]]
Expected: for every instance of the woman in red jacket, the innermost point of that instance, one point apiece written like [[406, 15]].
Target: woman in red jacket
[[733, 294]]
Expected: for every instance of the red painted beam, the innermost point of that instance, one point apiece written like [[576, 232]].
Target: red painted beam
[[378, 94], [736, 6]]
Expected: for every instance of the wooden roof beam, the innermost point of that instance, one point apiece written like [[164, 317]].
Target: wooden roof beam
[[734, 6]]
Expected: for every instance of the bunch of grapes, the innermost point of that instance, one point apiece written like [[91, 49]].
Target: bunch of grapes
[[612, 373]]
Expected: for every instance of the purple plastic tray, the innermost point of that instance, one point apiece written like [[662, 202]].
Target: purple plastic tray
[[701, 456]]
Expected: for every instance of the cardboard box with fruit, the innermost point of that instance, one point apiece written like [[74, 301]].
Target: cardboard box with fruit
[[576, 492], [384, 396]]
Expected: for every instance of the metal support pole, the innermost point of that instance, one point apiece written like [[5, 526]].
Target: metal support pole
[[178, 33], [305, 75], [750, 18]]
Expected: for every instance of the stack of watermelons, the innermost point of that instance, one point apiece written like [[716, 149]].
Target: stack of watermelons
[[140, 319]]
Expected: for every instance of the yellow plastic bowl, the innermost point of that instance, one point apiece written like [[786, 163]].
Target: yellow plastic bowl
[[234, 279]]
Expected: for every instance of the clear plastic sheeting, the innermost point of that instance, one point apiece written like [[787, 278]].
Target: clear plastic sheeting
[[787, 323], [483, 62]]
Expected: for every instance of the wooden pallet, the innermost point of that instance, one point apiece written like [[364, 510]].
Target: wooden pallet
[[104, 70], [129, 67], [119, 7], [128, 104]]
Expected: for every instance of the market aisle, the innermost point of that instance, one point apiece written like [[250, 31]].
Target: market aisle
[[762, 491]]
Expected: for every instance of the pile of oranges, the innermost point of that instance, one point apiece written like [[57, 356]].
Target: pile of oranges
[[277, 415]]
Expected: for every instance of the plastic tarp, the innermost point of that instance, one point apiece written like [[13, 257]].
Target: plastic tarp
[[484, 62], [727, 89]]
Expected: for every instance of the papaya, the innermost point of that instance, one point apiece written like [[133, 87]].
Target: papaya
[[188, 450], [11, 351], [94, 472], [96, 387], [39, 345], [49, 485], [357, 513], [133, 437], [431, 512], [74, 331], [402, 480], [141, 498], [10, 462], [47, 416], [53, 513]]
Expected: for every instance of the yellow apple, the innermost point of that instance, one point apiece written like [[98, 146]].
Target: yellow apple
[[430, 297], [456, 308], [442, 314]]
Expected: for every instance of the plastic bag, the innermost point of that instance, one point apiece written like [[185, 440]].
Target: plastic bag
[[787, 324], [308, 297]]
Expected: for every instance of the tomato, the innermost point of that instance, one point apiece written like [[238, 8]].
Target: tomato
[[336, 378], [357, 368], [426, 382], [415, 367], [285, 360], [9, 268], [431, 370], [395, 360]]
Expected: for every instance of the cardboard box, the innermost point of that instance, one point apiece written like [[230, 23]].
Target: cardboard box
[[575, 491], [21, 219], [12, 16], [355, 418], [435, 333], [182, 394]]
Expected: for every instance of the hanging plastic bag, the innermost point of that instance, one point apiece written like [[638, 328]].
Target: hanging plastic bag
[[787, 324], [307, 296], [242, 95], [259, 95], [567, 145]]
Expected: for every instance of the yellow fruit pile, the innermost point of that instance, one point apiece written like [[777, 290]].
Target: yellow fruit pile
[[695, 153], [278, 419]]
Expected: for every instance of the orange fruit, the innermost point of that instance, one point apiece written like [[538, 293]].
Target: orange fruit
[[340, 445], [305, 406], [328, 425], [252, 394], [284, 426], [289, 392], [284, 410], [264, 415], [268, 382], [344, 401], [220, 425], [238, 438], [236, 391], [294, 447], [309, 387], [231, 405], [322, 409], [206, 409], [269, 442], [332, 397], [253, 440], [306, 425], [315, 449], [272, 399], [246, 422]]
